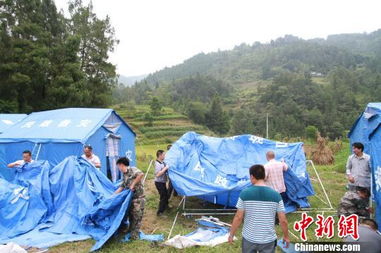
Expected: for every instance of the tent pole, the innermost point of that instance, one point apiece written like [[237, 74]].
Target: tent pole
[[38, 150], [371, 195], [173, 225], [293, 234], [267, 125], [209, 214], [149, 167], [215, 209], [321, 183], [183, 199], [321, 199], [316, 211]]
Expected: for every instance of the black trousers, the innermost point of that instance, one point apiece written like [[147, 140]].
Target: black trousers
[[170, 190], [163, 192]]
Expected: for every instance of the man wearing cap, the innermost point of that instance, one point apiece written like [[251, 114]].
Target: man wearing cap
[[90, 157]]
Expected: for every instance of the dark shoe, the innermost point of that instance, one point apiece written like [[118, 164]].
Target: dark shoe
[[162, 215], [134, 236]]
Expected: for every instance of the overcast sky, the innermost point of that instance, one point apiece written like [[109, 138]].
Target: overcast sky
[[154, 34]]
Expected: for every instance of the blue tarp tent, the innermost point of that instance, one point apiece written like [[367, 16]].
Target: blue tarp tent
[[56, 134], [217, 169], [8, 120], [44, 206], [367, 130]]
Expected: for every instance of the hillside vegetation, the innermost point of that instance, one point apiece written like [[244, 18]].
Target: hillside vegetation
[[299, 84], [164, 128]]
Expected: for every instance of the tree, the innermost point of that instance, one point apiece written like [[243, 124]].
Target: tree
[[97, 39], [242, 123], [148, 118], [155, 106], [44, 62], [311, 132], [196, 111], [217, 119]]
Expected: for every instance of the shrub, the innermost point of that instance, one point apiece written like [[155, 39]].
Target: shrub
[[311, 132], [148, 118]]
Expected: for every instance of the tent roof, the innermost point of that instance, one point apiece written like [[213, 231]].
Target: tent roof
[[8, 120], [369, 120], [61, 125]]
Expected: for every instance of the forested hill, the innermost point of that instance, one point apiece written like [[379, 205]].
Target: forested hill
[[246, 63], [361, 43], [303, 85]]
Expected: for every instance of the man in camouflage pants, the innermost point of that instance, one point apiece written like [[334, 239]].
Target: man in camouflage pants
[[355, 202], [132, 179]]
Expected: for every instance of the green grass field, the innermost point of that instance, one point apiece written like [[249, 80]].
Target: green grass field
[[332, 177]]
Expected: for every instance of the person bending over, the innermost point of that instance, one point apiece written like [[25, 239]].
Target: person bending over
[[369, 237], [132, 179]]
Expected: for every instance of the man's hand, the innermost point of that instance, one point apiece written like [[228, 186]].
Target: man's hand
[[351, 179], [120, 189], [237, 220], [231, 239], [14, 164], [286, 242], [132, 187]]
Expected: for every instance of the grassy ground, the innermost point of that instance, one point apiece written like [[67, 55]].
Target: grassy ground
[[332, 176]]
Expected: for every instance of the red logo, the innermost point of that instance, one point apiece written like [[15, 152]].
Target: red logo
[[302, 225], [348, 226], [325, 226]]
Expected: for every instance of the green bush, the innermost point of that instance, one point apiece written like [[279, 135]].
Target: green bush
[[148, 118], [311, 132]]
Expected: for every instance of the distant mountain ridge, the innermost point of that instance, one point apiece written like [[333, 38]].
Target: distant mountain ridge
[[130, 80], [318, 84], [246, 63]]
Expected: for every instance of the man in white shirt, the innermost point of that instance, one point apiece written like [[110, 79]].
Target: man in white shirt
[[90, 157], [358, 168], [274, 173], [26, 158]]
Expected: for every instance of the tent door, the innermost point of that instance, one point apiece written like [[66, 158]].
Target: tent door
[[112, 155]]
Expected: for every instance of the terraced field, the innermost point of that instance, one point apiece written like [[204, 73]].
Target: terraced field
[[166, 128]]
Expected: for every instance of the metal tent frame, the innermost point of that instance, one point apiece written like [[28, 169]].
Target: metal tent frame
[[226, 211]]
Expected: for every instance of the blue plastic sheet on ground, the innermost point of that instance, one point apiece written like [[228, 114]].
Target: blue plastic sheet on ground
[[290, 249], [217, 169], [144, 237], [210, 232], [207, 231], [45, 206]]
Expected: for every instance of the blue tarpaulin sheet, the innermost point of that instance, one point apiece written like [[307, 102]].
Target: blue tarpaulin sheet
[[217, 169], [45, 206], [144, 237], [367, 131]]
